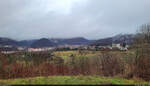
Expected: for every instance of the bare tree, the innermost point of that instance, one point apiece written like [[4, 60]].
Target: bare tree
[[143, 34], [142, 60]]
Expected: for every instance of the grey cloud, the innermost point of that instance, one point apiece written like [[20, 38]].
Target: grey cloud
[[93, 19]]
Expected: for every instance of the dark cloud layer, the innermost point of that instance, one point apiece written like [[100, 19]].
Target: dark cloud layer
[[93, 19]]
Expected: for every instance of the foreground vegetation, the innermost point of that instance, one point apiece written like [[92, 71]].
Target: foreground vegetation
[[63, 80], [73, 63]]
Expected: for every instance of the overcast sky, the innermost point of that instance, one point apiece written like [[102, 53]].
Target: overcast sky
[[92, 19]]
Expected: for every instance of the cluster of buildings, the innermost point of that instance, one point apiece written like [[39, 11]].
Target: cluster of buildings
[[10, 49], [39, 49], [122, 47]]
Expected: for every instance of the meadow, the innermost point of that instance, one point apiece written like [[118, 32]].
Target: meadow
[[73, 80]]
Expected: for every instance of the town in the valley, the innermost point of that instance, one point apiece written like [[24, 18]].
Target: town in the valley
[[11, 49]]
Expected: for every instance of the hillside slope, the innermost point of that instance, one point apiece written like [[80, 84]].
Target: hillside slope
[[127, 38]]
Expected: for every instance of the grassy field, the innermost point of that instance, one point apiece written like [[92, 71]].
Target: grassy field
[[61, 80], [65, 54]]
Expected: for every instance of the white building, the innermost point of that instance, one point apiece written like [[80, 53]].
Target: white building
[[120, 47], [116, 46], [39, 49]]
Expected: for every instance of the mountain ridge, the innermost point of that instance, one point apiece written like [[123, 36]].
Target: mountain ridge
[[50, 42], [120, 38]]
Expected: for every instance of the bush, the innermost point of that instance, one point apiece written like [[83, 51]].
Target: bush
[[111, 64]]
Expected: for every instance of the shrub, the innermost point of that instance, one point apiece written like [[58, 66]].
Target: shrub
[[111, 64]]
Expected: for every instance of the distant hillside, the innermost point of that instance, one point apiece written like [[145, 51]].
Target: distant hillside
[[42, 43], [72, 41], [45, 42], [102, 42], [77, 41], [127, 38], [25, 43], [8, 49], [7, 41]]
